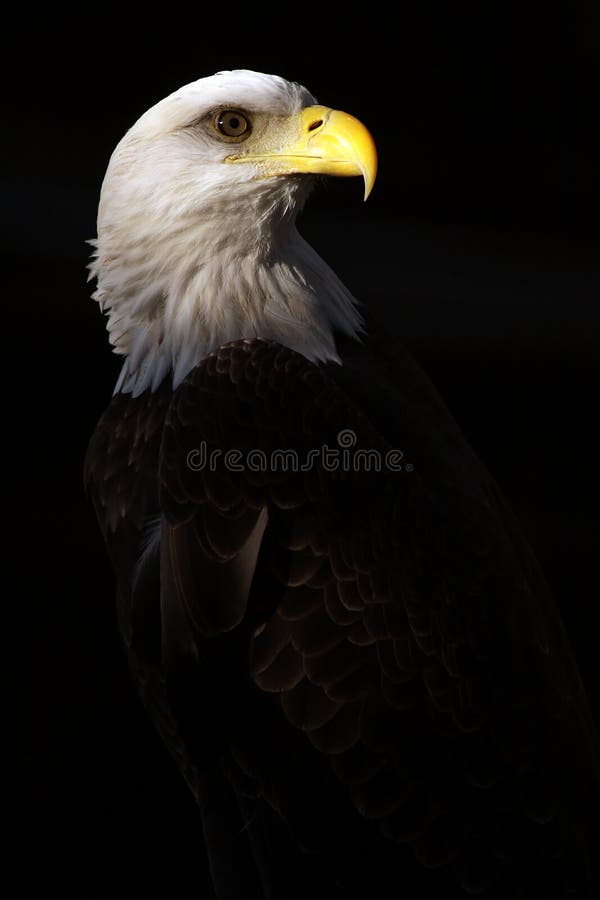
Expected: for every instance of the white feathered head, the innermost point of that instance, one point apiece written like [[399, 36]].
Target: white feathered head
[[197, 241]]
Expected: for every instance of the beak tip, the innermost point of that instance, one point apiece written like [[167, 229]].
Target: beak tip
[[368, 170], [369, 184]]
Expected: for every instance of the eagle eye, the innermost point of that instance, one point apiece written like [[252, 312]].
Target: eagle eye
[[233, 124]]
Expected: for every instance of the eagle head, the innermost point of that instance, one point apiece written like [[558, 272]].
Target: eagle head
[[197, 241]]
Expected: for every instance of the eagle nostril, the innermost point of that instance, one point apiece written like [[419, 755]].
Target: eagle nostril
[[316, 124]]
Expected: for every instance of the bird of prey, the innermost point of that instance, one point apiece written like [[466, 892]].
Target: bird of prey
[[328, 609]]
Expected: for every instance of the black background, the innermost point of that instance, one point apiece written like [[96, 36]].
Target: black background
[[478, 247]]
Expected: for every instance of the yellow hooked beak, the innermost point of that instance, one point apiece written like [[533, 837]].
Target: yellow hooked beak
[[321, 141]]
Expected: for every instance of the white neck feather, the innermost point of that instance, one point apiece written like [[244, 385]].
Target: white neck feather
[[176, 288]]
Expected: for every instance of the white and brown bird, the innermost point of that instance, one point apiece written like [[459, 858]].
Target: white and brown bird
[[355, 662]]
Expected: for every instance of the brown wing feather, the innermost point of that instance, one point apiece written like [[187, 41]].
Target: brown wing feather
[[367, 653]]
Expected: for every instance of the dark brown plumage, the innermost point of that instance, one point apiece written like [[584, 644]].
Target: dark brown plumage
[[360, 673]]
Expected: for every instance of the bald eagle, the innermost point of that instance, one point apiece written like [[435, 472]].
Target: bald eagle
[[327, 606]]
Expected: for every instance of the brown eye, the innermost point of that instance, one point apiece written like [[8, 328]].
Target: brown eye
[[232, 124]]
